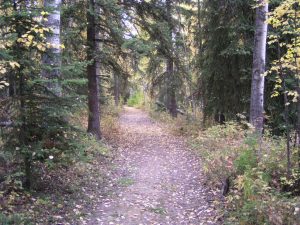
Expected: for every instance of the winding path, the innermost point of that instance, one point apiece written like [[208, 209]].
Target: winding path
[[157, 179]]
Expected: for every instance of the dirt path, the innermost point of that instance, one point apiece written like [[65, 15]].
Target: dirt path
[[157, 180]]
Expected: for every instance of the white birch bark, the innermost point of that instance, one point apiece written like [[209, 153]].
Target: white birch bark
[[52, 57], [259, 61]]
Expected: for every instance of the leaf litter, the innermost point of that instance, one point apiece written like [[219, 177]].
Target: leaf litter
[[155, 179]]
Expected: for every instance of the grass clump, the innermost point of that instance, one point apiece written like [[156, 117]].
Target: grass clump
[[14, 219], [158, 210], [125, 182]]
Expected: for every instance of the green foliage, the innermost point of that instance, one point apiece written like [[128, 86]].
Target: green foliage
[[260, 192], [14, 219], [283, 71], [125, 181], [254, 201], [219, 147], [41, 132], [284, 20], [225, 58], [247, 159], [136, 100], [158, 210], [180, 125], [230, 130]]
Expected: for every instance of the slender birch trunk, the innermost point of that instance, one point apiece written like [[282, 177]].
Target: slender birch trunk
[[259, 61], [93, 71], [52, 57]]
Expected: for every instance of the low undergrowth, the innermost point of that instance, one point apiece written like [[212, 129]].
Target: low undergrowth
[[179, 126], [64, 191], [251, 173], [136, 100], [109, 121], [259, 190]]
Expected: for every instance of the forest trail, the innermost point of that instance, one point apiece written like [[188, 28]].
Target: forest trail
[[156, 178]]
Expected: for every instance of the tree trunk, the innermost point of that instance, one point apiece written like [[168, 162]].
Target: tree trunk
[[52, 57], [171, 95], [200, 81], [116, 89], [200, 47], [12, 84], [22, 110], [259, 60], [287, 124], [92, 72], [286, 113], [296, 57]]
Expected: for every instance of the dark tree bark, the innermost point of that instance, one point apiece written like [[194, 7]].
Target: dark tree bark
[[116, 89], [286, 114], [259, 61], [92, 69], [22, 110], [200, 36], [296, 56], [171, 95]]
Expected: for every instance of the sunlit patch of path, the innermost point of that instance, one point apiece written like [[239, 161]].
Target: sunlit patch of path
[[156, 179]]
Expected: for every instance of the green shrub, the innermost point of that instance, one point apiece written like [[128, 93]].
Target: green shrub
[[256, 189], [218, 147], [136, 100], [245, 161], [230, 130], [14, 219], [256, 183], [181, 125]]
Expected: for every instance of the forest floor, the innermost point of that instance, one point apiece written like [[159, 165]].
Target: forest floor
[[156, 178]]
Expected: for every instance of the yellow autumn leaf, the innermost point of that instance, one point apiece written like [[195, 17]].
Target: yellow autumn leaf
[[8, 44], [27, 43], [275, 94], [14, 65], [2, 70], [30, 37], [19, 40], [41, 47]]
